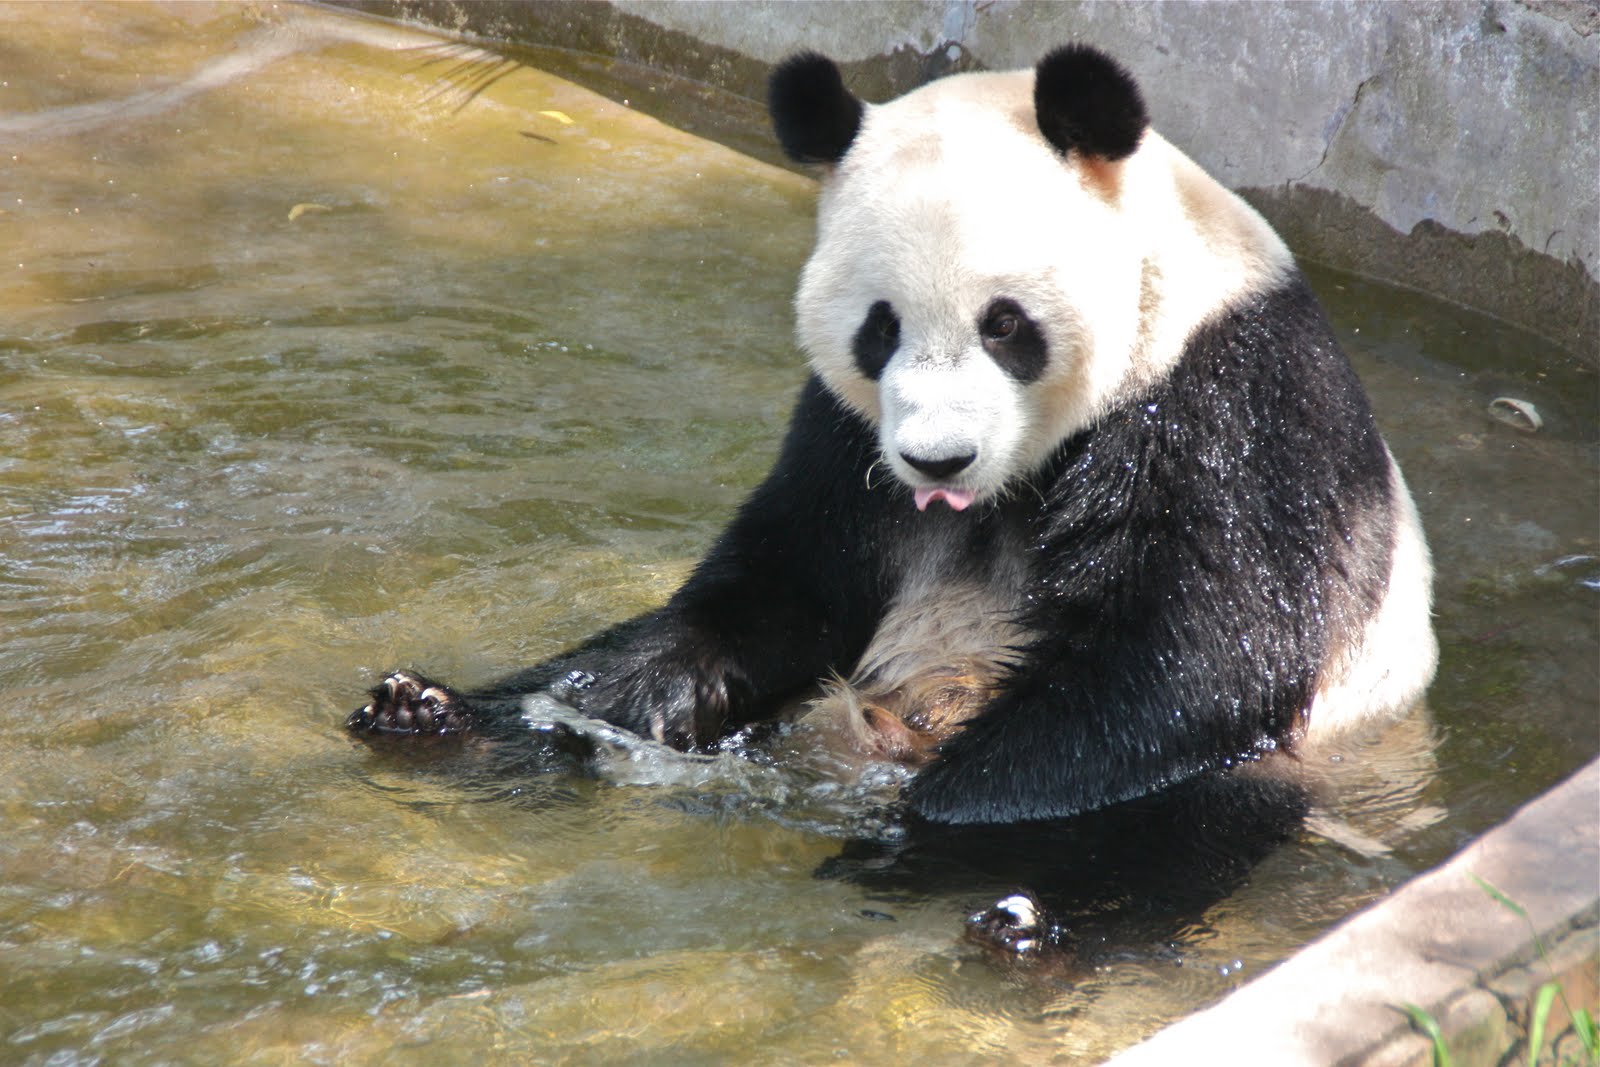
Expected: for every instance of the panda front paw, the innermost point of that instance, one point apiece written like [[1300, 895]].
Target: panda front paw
[[405, 704]]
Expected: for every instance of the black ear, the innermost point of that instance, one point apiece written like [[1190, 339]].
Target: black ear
[[814, 115], [1086, 102]]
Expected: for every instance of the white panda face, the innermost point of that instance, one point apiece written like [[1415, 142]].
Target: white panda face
[[1001, 257], [971, 293]]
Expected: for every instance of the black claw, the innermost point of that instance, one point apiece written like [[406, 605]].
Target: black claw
[[409, 705]]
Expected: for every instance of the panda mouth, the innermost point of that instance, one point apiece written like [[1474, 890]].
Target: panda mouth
[[957, 499]]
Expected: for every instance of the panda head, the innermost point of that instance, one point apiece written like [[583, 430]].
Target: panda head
[[1000, 257]]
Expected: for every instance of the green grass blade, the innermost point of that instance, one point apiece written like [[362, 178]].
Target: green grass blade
[[1583, 1022], [1516, 909], [1541, 1013], [1429, 1027]]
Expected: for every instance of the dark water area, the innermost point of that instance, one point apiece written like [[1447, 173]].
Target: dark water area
[[307, 371]]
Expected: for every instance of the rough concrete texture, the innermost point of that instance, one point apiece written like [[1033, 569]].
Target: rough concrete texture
[[1479, 117], [1440, 942], [1445, 146], [1463, 118]]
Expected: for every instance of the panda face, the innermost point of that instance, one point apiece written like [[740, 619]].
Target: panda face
[[933, 415], [1002, 257], [972, 330]]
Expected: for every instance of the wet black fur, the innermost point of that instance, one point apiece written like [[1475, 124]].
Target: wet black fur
[[1198, 553], [1133, 870], [1191, 559]]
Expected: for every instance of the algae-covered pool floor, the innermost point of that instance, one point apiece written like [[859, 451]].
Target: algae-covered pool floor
[[314, 363]]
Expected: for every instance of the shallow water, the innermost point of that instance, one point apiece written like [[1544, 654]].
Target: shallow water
[[501, 385]]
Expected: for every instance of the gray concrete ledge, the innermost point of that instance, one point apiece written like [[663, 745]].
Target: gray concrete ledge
[[1439, 942], [1442, 146]]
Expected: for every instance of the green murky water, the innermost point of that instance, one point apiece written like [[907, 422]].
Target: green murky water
[[501, 384]]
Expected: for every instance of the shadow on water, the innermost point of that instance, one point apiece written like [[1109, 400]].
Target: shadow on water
[[1130, 878], [1134, 877], [1174, 850]]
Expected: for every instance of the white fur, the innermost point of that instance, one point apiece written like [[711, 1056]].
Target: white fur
[[937, 209], [948, 199], [935, 630], [935, 409], [1392, 661]]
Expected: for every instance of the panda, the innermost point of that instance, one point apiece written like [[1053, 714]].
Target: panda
[[1081, 500]]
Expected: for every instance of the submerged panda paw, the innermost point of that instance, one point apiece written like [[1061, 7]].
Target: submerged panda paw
[[405, 704], [1017, 927]]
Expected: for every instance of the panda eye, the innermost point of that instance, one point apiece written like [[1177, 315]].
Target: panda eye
[[1001, 326], [876, 339], [1013, 340]]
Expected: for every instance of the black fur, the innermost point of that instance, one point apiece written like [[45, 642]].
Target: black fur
[[1191, 558], [1086, 102], [876, 340], [1010, 337], [815, 116], [791, 591], [1167, 854], [1198, 552]]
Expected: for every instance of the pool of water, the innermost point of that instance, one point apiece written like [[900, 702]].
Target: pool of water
[[309, 368]]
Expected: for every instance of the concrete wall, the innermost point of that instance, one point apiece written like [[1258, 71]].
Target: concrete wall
[[1452, 147]]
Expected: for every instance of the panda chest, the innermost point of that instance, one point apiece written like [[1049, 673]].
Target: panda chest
[[942, 650]]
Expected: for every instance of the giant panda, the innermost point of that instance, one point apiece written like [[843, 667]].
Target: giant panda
[[1080, 501]]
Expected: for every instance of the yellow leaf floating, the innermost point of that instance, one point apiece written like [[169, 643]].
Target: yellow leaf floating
[[308, 209], [560, 116]]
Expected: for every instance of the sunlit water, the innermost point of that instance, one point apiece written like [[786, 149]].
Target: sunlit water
[[500, 385]]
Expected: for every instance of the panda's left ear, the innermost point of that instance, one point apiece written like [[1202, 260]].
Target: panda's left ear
[[1085, 101], [815, 116]]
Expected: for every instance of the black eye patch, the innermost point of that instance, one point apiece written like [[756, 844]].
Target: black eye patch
[[1013, 340], [876, 340]]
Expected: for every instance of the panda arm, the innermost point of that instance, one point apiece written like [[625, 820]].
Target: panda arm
[[789, 593], [1171, 639], [1081, 727]]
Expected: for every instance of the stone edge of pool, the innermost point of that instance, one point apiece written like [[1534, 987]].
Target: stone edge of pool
[[1441, 942]]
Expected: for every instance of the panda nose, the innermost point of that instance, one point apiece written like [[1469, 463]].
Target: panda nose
[[940, 469]]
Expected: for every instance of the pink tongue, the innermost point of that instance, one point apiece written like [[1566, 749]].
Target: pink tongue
[[958, 499]]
